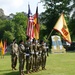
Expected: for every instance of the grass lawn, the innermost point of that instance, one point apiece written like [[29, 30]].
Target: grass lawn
[[57, 64]]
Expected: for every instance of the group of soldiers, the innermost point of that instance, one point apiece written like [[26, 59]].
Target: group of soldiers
[[31, 54]]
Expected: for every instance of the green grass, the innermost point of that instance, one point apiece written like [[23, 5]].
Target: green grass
[[57, 64]]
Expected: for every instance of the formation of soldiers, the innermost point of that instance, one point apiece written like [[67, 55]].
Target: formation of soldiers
[[31, 54]]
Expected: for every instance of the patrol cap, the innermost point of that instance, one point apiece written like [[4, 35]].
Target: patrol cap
[[21, 41], [14, 40], [34, 40], [41, 41], [27, 38]]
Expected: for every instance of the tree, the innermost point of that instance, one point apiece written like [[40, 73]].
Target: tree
[[53, 10], [20, 33], [72, 26], [8, 36], [20, 20], [42, 29], [2, 25], [8, 29], [2, 15], [13, 28], [72, 22]]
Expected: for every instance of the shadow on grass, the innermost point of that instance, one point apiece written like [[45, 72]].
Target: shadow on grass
[[9, 72], [12, 73], [70, 51], [4, 70]]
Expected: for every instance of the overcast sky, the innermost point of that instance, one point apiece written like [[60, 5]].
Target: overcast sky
[[13, 6]]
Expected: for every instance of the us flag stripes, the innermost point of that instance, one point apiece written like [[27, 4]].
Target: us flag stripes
[[30, 31]]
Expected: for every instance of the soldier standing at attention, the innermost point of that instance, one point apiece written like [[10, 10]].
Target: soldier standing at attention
[[14, 54], [33, 52], [28, 53], [47, 49], [43, 55], [32, 55], [38, 56], [22, 57]]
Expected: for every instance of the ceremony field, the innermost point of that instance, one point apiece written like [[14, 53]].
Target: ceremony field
[[57, 64]]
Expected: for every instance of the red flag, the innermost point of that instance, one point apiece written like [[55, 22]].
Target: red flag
[[30, 31], [36, 25], [5, 47]]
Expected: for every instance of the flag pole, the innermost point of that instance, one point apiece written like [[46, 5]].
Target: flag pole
[[50, 34]]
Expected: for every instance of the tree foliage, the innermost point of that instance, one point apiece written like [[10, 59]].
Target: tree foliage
[[72, 26], [20, 20], [13, 28], [53, 10], [72, 22]]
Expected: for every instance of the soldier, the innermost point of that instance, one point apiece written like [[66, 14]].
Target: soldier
[[14, 54], [28, 53], [32, 56], [21, 57], [43, 55], [36, 53], [47, 49], [39, 55]]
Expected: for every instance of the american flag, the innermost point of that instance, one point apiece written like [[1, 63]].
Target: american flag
[[30, 31]]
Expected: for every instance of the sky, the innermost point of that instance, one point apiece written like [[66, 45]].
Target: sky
[[13, 6]]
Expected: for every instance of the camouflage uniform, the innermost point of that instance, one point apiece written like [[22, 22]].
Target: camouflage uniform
[[39, 56], [43, 47], [47, 49], [32, 57], [36, 55], [14, 54], [22, 57], [28, 57]]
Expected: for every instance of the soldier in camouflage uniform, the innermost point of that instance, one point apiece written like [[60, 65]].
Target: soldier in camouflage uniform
[[43, 55], [28, 53], [47, 49], [22, 57], [36, 53], [32, 55], [14, 54], [39, 55]]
